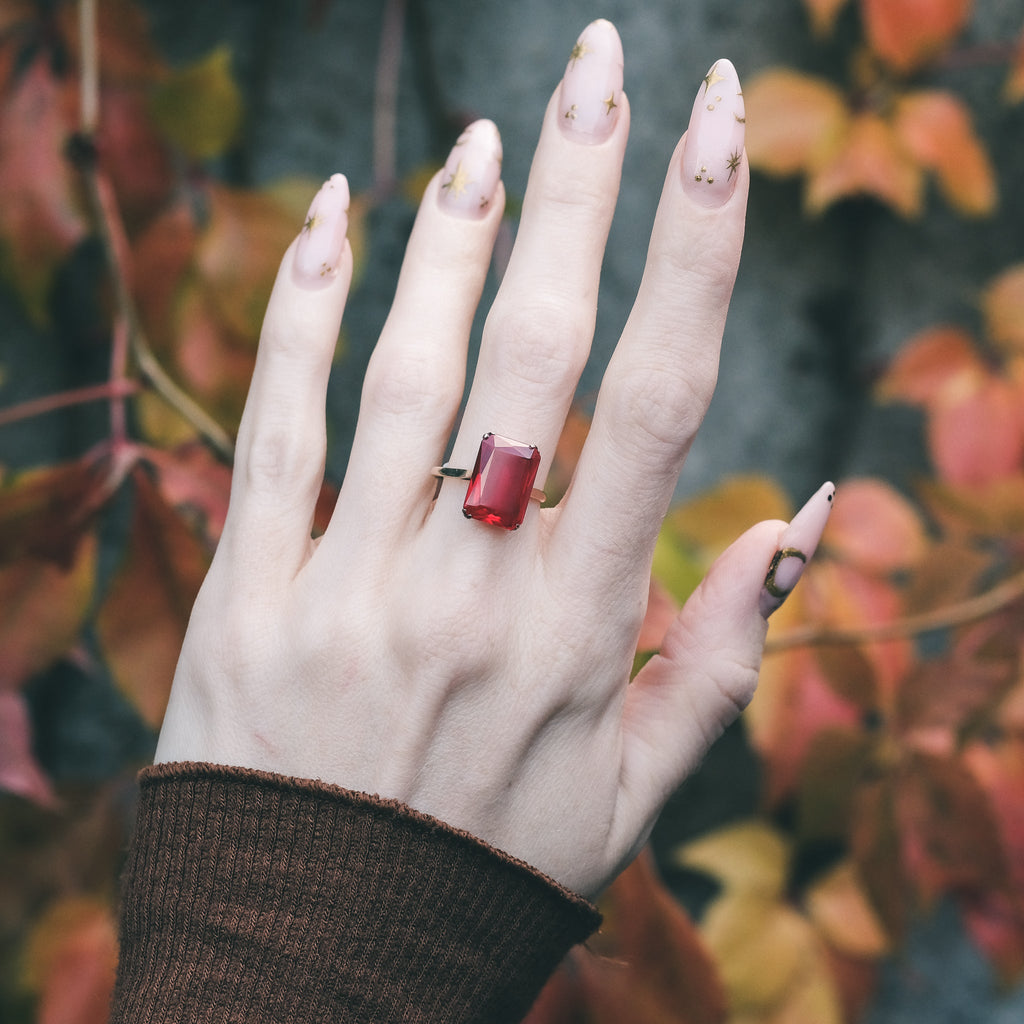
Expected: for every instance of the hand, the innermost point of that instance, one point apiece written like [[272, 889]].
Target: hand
[[480, 675]]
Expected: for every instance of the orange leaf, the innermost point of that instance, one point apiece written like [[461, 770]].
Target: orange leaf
[[1014, 88], [793, 120], [908, 33], [823, 14], [141, 624], [839, 907], [933, 367], [19, 771], [43, 607], [936, 129], [1002, 302], [70, 962], [870, 161], [995, 509], [875, 528]]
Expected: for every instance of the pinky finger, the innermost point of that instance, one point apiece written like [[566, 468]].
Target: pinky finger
[[708, 667]]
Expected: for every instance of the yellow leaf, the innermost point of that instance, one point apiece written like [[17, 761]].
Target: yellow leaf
[[199, 108], [749, 857], [937, 130], [677, 569], [839, 907], [793, 120], [823, 14], [1003, 305], [714, 519], [870, 161]]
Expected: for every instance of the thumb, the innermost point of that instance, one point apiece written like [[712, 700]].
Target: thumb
[[707, 669]]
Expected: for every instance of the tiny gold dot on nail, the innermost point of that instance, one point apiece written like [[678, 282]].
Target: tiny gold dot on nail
[[711, 106], [711, 180], [571, 113]]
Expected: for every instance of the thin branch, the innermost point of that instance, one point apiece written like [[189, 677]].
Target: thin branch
[[960, 614], [385, 100], [90, 86], [50, 403]]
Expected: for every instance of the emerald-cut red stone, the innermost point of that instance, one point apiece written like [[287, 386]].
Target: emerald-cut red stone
[[501, 483]]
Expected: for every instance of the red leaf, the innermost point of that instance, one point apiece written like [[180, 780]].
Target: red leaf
[[141, 624], [19, 771], [39, 221], [908, 33], [933, 368], [71, 960], [1003, 306], [198, 486]]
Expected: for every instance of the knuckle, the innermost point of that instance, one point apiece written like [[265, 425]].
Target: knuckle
[[283, 458], [541, 344], [410, 382]]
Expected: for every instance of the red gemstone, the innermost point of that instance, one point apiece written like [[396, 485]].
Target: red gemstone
[[502, 480]]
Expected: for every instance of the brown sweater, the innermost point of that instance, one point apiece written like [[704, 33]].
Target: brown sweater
[[258, 898]]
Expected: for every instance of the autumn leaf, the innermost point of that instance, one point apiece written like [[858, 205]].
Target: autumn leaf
[[794, 121], [843, 915], [772, 961], [141, 623], [823, 14], [937, 130], [20, 772], [194, 483], [1002, 304], [869, 160], [43, 607], [909, 33], [1014, 88], [39, 219], [127, 56], [933, 368], [838, 761], [994, 509], [874, 528], [70, 961], [199, 108]]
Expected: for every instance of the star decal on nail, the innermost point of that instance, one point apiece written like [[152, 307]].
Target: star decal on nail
[[712, 77], [579, 51], [610, 103], [311, 222], [733, 163], [456, 184]]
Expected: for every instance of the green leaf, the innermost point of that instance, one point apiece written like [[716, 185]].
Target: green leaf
[[199, 108]]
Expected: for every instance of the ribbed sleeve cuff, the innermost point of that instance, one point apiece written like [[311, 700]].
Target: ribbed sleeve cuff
[[249, 896]]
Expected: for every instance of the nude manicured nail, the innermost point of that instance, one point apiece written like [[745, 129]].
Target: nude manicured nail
[[471, 172], [713, 150], [322, 240], [592, 86], [796, 546]]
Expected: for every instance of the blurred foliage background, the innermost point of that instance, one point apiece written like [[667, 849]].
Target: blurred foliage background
[[853, 850]]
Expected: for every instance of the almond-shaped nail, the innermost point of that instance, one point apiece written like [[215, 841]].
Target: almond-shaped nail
[[796, 546], [713, 151], [471, 172], [322, 240], [591, 92]]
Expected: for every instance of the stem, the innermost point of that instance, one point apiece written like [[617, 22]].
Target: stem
[[112, 389], [971, 610], [103, 207], [385, 99]]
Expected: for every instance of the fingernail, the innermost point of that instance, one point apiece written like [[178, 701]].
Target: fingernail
[[322, 239], [592, 86], [471, 172], [796, 546], [714, 141]]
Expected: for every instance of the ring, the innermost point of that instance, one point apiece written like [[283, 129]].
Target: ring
[[500, 482]]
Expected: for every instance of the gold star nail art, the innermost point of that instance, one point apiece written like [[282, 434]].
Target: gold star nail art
[[610, 103], [311, 222], [457, 183], [579, 51], [712, 77], [733, 163]]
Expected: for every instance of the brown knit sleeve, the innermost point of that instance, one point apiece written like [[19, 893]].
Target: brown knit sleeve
[[254, 897]]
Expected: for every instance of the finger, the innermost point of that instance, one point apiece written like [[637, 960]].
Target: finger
[[538, 333], [663, 372], [415, 379], [707, 670], [279, 458]]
